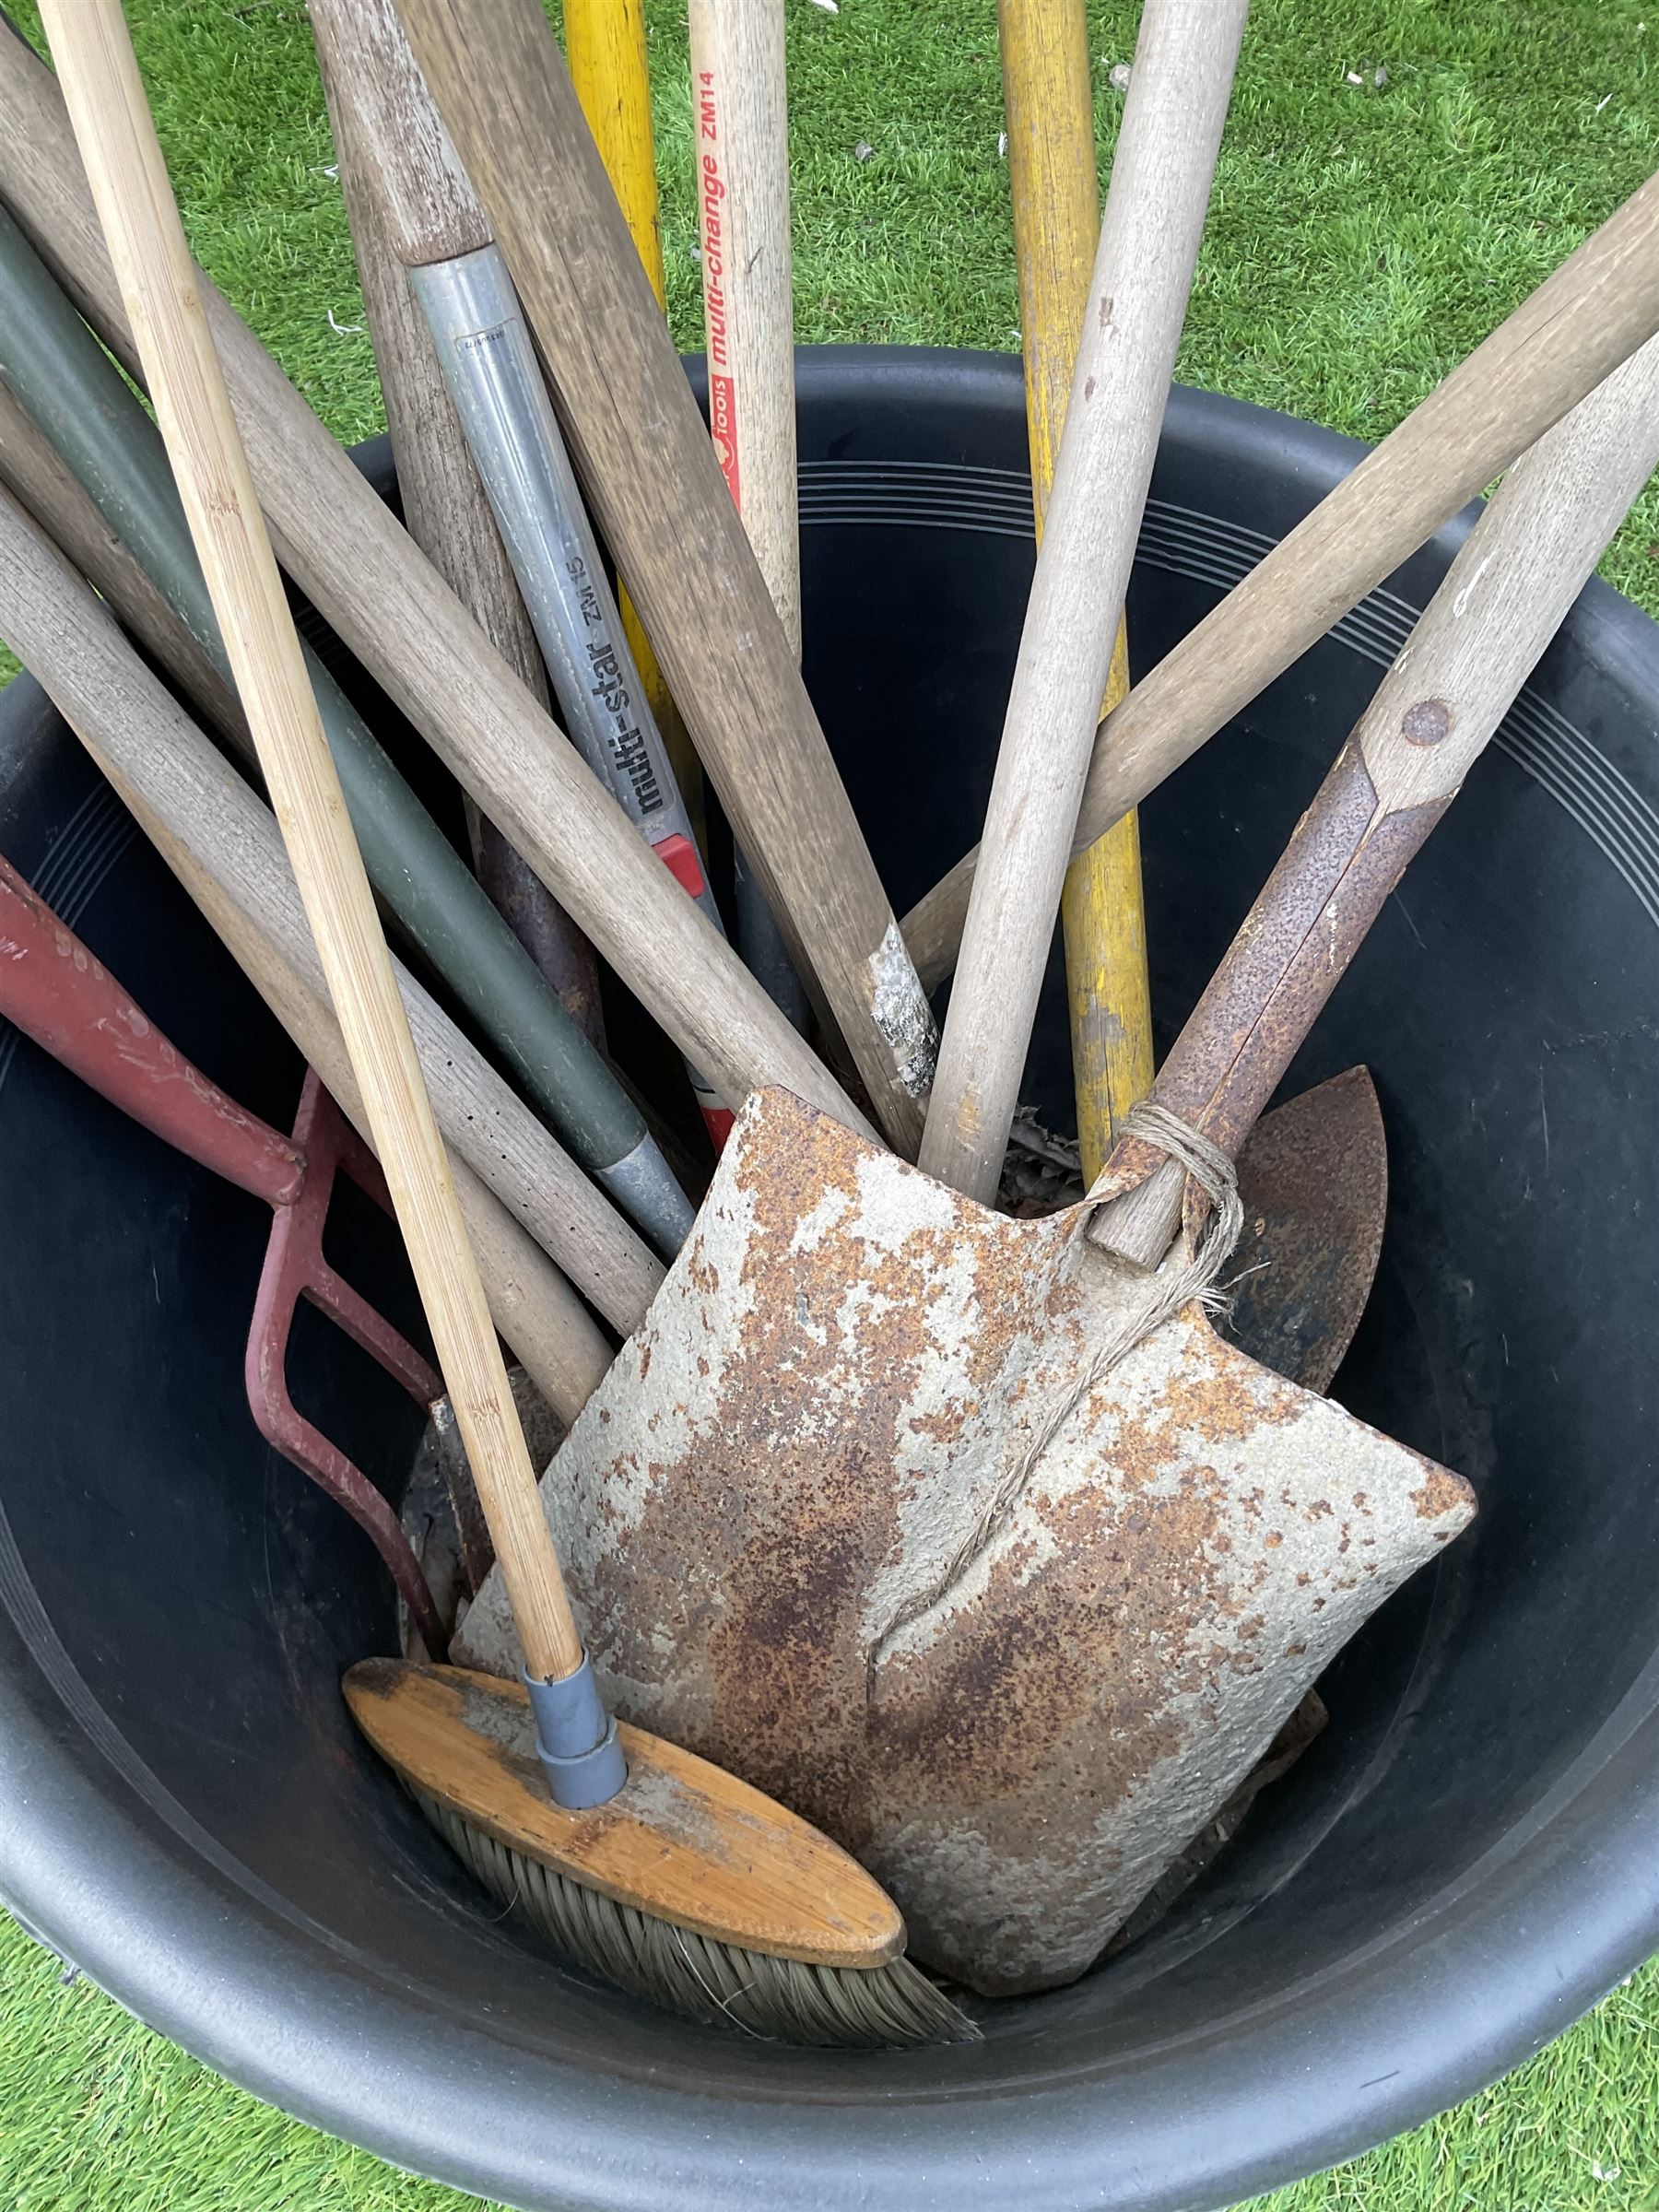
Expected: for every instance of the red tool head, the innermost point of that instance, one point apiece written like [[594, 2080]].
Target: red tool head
[[295, 1268]]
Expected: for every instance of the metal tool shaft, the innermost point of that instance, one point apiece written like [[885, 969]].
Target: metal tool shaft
[[495, 381]]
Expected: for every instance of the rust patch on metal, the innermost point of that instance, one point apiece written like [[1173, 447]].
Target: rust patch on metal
[[1428, 723], [1313, 1180], [1441, 1496], [843, 1368]]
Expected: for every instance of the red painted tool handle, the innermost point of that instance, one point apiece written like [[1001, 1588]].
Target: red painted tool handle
[[57, 993]]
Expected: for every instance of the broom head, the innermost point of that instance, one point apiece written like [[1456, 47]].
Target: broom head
[[688, 1887]]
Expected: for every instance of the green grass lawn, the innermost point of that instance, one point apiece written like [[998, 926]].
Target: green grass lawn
[[1362, 238]]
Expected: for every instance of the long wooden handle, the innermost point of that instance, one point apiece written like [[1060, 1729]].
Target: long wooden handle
[[740, 138], [118, 709], [1502, 600], [444, 503], [740, 151], [1155, 210], [374, 85], [1048, 98], [645, 460], [390, 609], [1597, 308], [134, 201]]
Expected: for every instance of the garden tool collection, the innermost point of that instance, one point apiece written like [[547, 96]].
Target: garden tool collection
[[978, 1545], [673, 1855], [956, 1538]]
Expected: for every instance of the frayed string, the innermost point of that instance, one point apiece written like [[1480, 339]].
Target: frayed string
[[1178, 1282]]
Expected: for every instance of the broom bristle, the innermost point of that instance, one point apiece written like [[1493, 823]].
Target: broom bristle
[[782, 1999]]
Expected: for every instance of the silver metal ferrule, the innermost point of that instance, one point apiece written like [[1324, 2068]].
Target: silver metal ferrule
[[643, 1186]]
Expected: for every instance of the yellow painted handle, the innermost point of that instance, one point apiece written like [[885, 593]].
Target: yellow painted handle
[[605, 46], [1050, 108]]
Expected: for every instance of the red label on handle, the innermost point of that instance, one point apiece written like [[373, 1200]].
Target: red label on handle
[[712, 194]]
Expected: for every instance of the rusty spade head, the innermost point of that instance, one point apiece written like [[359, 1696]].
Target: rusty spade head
[[785, 1518]]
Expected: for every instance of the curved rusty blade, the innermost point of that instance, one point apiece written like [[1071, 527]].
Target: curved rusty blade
[[1313, 1178]]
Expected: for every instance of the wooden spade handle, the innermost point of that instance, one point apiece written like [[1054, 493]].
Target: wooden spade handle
[[1561, 342], [1502, 600], [130, 187], [655, 488], [1155, 210]]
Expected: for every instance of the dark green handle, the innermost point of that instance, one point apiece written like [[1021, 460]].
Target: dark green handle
[[81, 403]]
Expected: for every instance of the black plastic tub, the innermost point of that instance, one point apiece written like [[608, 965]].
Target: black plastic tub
[[1466, 1860]]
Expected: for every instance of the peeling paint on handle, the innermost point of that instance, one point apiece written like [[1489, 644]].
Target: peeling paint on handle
[[899, 1009]]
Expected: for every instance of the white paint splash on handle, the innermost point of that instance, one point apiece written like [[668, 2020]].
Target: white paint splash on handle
[[899, 1008]]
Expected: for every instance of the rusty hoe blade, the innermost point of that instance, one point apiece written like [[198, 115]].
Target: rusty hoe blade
[[786, 1510], [1314, 1178], [1314, 1186]]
